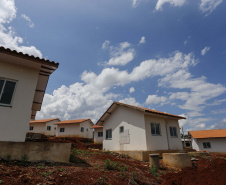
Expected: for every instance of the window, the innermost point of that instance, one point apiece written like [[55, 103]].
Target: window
[[121, 129], [61, 129], [155, 129], [173, 131], [109, 134], [6, 91], [87, 130], [82, 129], [206, 145], [31, 128], [100, 134], [49, 128]]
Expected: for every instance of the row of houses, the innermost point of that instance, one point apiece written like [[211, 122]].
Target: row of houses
[[123, 127]]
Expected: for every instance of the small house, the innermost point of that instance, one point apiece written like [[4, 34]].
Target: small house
[[139, 131], [75, 128], [23, 81], [209, 140], [44, 126], [98, 134]]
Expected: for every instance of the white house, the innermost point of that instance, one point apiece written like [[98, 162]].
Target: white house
[[75, 128], [209, 140], [23, 81], [98, 134], [131, 128], [44, 126]]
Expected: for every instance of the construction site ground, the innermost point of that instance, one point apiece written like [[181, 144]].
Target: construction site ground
[[91, 165]]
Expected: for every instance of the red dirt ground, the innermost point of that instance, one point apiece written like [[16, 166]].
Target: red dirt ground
[[88, 167]]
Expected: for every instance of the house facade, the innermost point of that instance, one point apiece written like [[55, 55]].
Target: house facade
[[98, 134], [75, 128], [44, 126], [23, 81], [209, 140], [131, 128]]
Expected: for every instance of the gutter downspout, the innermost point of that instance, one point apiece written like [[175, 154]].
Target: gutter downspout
[[167, 135]]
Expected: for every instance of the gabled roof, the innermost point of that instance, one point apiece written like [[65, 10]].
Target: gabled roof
[[208, 133], [44, 120], [73, 121], [96, 126], [142, 109], [45, 68]]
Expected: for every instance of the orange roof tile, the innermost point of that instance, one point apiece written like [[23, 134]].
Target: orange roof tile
[[208, 133], [96, 126], [43, 120], [26, 56], [72, 121]]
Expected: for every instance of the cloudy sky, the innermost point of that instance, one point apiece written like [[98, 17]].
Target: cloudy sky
[[168, 55]]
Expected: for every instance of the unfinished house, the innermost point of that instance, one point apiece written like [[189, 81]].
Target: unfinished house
[[23, 81], [75, 128], [139, 131], [44, 126], [98, 134], [209, 140]]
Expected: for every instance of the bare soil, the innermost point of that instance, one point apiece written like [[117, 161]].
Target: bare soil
[[89, 167]]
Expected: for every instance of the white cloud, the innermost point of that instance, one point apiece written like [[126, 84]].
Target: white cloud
[[7, 11], [142, 40], [207, 6], [160, 3], [219, 125], [154, 99], [30, 23], [220, 111], [205, 50], [121, 55], [131, 90], [105, 44], [135, 3], [131, 101], [8, 37]]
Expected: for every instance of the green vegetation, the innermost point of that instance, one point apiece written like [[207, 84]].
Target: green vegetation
[[24, 158], [41, 166], [154, 171], [102, 180], [109, 165], [8, 158], [79, 152], [45, 174], [134, 178], [1, 181], [61, 169]]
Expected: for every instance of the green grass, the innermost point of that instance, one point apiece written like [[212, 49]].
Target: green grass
[[154, 171], [45, 174]]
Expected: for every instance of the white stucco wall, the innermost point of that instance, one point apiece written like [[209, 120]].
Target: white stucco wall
[[174, 142], [217, 144], [96, 138], [74, 130], [42, 128], [14, 121], [88, 132], [133, 121]]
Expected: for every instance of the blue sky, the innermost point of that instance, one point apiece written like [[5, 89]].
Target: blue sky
[[168, 55]]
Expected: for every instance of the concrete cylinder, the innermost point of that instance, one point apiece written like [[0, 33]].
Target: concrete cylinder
[[154, 160]]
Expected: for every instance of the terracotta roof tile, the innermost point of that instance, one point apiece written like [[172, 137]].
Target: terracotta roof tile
[[72, 121], [96, 126], [208, 133], [151, 110], [43, 120], [29, 57]]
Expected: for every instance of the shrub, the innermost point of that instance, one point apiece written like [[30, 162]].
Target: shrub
[[8, 158], [24, 158], [154, 171]]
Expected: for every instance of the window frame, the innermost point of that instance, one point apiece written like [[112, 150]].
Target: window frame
[[62, 129], [82, 129], [107, 134], [173, 132], [121, 129], [2, 90], [156, 134], [205, 145], [48, 128], [100, 134], [31, 128]]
